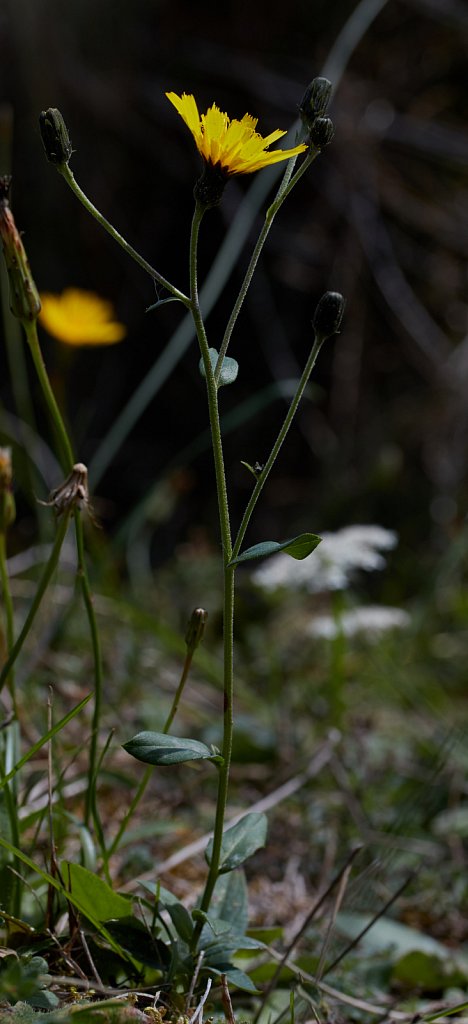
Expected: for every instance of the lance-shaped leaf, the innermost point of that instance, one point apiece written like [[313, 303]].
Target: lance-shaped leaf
[[240, 841], [297, 547], [95, 896], [229, 369], [157, 748], [182, 921]]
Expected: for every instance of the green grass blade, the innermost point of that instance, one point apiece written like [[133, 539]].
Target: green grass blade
[[44, 739], [69, 896]]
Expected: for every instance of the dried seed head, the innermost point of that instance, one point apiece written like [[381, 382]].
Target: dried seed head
[[72, 493]]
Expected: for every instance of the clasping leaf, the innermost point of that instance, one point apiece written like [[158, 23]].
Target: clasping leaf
[[229, 369]]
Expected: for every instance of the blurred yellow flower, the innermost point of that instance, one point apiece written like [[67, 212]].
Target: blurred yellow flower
[[78, 317], [232, 146]]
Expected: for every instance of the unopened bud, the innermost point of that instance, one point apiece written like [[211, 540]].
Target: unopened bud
[[328, 315], [195, 628], [55, 137], [7, 501], [24, 297], [322, 132], [315, 100]]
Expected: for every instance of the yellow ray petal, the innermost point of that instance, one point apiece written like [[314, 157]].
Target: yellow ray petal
[[232, 145]]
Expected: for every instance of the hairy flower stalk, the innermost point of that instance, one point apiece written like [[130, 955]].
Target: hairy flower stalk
[[58, 151], [326, 322], [227, 148], [193, 638], [25, 305], [230, 147], [7, 517], [228, 572]]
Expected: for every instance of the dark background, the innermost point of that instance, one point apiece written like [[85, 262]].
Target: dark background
[[381, 216]]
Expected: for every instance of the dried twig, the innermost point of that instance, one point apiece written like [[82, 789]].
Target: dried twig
[[194, 980], [226, 1001], [199, 1010]]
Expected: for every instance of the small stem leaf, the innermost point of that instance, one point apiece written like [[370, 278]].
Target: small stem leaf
[[298, 547], [229, 369], [250, 468], [163, 302], [240, 841], [158, 748]]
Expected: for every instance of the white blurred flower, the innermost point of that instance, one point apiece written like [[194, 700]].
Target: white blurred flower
[[331, 565], [373, 620]]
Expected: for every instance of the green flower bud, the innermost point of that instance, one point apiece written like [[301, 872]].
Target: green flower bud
[[195, 628], [55, 137], [322, 132], [328, 315], [24, 297], [315, 100]]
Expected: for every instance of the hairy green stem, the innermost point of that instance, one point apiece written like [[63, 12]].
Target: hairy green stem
[[44, 581], [66, 453], [11, 739], [68, 461], [66, 173], [228, 572], [82, 576], [149, 770], [180, 689], [9, 621], [287, 183], [11, 895], [277, 445]]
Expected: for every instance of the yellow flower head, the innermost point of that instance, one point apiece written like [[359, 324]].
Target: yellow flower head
[[234, 147], [78, 318]]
